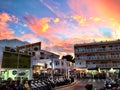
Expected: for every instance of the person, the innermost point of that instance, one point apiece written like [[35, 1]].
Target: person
[[26, 85]]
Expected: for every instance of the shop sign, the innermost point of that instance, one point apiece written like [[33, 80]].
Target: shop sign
[[22, 73], [14, 72]]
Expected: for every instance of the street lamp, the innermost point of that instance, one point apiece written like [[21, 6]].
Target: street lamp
[[18, 57], [52, 62]]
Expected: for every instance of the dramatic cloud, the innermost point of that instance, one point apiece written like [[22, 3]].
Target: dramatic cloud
[[39, 26], [5, 31], [65, 23]]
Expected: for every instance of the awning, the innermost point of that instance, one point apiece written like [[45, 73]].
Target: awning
[[92, 69], [116, 68], [105, 68]]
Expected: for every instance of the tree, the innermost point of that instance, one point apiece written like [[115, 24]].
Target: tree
[[68, 58]]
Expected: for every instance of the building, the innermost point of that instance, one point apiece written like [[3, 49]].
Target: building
[[60, 67], [14, 64], [98, 56], [31, 47], [41, 59], [1, 54], [46, 62], [25, 61]]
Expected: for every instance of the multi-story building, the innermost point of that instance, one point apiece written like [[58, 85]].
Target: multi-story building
[[23, 61], [31, 47], [60, 67], [14, 64], [98, 56], [42, 60], [1, 54], [38, 55]]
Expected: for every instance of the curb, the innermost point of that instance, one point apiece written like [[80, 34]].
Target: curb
[[66, 85]]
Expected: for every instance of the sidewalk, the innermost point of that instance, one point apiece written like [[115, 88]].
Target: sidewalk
[[71, 84]]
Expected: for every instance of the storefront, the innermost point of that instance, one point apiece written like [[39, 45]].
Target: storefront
[[15, 74]]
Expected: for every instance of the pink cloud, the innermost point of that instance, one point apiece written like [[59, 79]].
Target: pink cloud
[[39, 26], [89, 15], [5, 31], [104, 10]]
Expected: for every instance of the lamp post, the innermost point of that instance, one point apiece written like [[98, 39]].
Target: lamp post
[[52, 73], [17, 65]]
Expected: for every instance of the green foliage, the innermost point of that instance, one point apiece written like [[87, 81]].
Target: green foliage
[[10, 60]]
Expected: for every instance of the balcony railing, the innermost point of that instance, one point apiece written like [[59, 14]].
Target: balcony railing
[[98, 57], [97, 49], [108, 65]]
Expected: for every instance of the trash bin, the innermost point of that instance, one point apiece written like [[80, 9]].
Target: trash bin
[[89, 86]]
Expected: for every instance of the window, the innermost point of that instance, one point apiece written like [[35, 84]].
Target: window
[[80, 63], [62, 63], [56, 63], [13, 50], [81, 50], [36, 48], [45, 65]]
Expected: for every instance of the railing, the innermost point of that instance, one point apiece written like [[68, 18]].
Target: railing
[[99, 57], [91, 65], [108, 65], [97, 50]]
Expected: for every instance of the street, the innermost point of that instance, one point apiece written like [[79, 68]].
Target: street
[[80, 84]]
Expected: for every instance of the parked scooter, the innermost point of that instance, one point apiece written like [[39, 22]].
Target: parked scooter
[[110, 83]]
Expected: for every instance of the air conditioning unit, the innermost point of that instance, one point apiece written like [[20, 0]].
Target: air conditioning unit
[[21, 51], [29, 53], [36, 48]]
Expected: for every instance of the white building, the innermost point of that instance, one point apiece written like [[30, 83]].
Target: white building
[[59, 66]]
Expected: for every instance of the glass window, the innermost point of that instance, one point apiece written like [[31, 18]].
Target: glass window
[[56, 63], [62, 63]]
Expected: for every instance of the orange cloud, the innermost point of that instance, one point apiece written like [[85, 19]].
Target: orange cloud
[[39, 26], [5, 31], [56, 20], [95, 18], [81, 20]]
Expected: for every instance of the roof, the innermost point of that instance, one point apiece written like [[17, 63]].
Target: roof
[[98, 43]]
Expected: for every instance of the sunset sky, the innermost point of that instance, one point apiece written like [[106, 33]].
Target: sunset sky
[[59, 24]]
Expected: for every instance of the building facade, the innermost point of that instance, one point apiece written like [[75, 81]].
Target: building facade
[[98, 56], [25, 61], [14, 64], [60, 67]]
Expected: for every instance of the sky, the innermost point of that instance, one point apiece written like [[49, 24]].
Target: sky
[[59, 24]]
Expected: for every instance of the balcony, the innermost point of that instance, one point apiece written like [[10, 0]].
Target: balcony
[[103, 57], [108, 65], [98, 50], [91, 65]]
